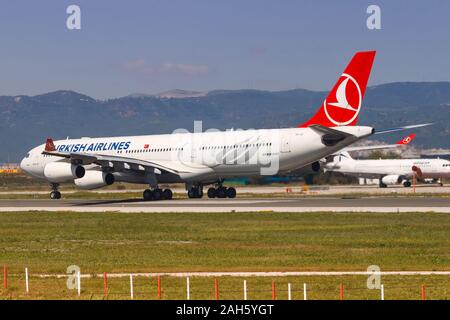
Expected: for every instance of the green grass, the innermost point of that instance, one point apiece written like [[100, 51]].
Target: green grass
[[145, 288], [47, 242]]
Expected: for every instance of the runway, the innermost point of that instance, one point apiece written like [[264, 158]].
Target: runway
[[318, 204]]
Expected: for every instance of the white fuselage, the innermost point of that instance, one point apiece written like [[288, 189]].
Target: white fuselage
[[429, 168], [203, 157]]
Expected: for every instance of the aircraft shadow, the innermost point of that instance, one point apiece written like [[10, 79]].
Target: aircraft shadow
[[100, 202]]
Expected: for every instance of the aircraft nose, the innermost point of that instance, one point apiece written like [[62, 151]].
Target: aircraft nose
[[23, 165]]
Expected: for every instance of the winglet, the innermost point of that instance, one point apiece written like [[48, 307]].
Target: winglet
[[49, 145], [407, 139]]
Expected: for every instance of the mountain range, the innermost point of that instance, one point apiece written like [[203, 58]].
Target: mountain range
[[26, 121]]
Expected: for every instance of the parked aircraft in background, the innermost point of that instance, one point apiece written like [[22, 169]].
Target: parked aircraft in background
[[316, 167], [391, 171]]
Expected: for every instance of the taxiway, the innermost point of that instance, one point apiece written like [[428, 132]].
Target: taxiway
[[318, 204]]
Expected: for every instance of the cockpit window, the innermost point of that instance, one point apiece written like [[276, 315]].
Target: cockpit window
[[27, 156]]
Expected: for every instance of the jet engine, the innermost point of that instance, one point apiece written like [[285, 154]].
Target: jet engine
[[315, 166], [392, 179], [94, 180], [63, 171]]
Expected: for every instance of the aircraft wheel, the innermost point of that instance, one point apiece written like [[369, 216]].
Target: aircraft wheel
[[195, 193], [222, 192], [383, 185], [54, 195], [157, 194], [407, 184], [148, 195], [167, 194], [231, 192], [191, 193], [212, 193]]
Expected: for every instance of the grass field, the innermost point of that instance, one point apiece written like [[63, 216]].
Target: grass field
[[47, 243], [258, 288]]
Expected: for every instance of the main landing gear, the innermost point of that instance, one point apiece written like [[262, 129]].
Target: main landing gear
[[55, 194], [222, 192], [195, 192], [157, 194]]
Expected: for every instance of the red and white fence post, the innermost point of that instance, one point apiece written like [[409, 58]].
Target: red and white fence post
[[216, 289], [188, 289], [274, 291], [5, 277], [245, 289], [105, 285], [305, 297], [289, 292], [27, 288], [131, 287], [159, 287]]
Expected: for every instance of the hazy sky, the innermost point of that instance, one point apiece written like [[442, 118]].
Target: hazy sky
[[146, 46]]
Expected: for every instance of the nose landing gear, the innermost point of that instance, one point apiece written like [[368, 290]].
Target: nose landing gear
[[55, 194]]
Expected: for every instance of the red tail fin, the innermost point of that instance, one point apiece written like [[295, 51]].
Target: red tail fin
[[407, 139], [343, 104], [49, 145]]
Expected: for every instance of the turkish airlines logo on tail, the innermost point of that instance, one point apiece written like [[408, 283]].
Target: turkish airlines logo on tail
[[344, 109], [407, 139]]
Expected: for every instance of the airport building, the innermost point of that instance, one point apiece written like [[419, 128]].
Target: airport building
[[6, 168]]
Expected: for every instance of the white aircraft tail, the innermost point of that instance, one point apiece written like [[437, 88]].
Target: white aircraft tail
[[343, 156]]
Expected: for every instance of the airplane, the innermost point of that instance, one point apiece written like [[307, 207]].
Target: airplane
[[317, 166], [391, 171], [207, 158]]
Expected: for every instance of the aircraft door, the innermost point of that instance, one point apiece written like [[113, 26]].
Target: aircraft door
[[286, 143]]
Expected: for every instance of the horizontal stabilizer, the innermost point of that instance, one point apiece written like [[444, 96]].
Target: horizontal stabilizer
[[403, 128]]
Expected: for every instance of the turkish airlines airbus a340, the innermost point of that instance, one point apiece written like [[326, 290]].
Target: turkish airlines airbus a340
[[207, 158]]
